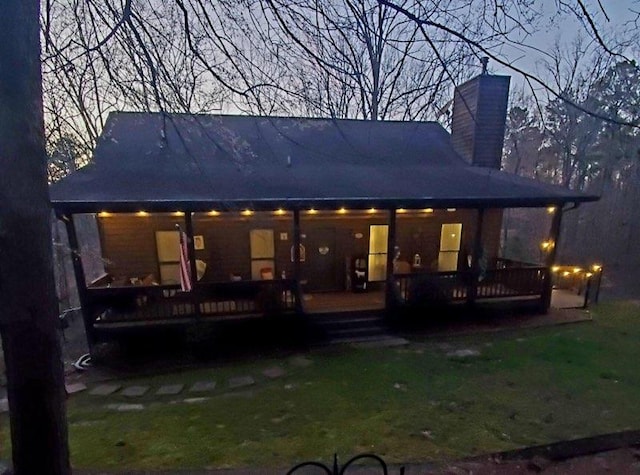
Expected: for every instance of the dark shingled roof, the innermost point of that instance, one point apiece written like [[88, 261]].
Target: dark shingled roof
[[165, 162]]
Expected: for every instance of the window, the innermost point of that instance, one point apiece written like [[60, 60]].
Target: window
[[450, 237], [378, 242]]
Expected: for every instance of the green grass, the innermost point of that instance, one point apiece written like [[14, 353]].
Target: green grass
[[526, 387]]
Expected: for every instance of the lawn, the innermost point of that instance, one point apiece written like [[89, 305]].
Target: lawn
[[409, 404]]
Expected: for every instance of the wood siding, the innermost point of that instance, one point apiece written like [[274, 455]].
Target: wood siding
[[129, 246], [421, 235]]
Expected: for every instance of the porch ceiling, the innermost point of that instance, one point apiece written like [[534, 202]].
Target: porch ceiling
[[167, 162]]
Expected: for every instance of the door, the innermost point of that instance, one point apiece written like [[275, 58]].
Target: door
[[320, 267]]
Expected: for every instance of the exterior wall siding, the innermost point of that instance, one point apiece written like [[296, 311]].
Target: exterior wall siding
[[129, 245]]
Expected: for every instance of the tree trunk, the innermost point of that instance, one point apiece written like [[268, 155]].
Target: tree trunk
[[28, 318]]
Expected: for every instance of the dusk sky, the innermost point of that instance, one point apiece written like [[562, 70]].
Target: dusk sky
[[565, 29]]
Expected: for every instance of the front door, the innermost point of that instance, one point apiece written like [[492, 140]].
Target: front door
[[320, 263]]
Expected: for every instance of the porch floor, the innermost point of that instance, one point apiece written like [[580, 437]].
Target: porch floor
[[334, 302], [565, 298]]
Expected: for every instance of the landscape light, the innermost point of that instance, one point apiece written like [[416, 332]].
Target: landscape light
[[546, 245]]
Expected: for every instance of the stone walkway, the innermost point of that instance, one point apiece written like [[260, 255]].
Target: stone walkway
[[114, 393]]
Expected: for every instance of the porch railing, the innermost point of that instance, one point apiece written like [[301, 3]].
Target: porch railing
[[208, 299], [451, 287]]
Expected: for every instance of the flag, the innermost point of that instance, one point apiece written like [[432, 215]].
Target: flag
[[185, 267]]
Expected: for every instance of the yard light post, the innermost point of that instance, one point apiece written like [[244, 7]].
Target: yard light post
[[597, 269]]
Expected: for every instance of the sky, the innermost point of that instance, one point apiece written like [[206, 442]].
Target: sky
[[565, 29]]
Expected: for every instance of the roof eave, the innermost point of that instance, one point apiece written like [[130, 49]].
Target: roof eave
[[75, 207]]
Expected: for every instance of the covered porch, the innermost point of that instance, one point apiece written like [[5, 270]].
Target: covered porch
[[283, 264]]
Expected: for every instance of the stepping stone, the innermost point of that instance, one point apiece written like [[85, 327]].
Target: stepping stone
[[241, 381], [134, 391], [463, 353], [242, 394], [301, 362], [170, 390], [382, 343], [202, 386], [125, 407], [75, 388], [4, 405], [195, 400], [274, 372], [104, 389]]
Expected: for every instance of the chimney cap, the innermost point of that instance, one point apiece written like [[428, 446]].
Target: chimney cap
[[485, 62]]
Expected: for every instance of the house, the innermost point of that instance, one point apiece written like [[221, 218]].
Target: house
[[291, 216]]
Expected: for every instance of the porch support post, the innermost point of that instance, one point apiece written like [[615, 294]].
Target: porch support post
[[391, 250], [296, 259], [554, 238], [81, 282], [188, 224], [475, 263]]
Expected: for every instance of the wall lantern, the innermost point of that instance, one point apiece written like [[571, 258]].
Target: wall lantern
[[551, 209]]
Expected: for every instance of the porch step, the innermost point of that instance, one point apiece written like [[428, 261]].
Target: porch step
[[378, 341], [348, 328]]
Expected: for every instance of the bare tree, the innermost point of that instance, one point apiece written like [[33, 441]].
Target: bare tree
[[359, 58]]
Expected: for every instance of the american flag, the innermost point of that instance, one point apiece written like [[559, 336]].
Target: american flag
[[185, 268]]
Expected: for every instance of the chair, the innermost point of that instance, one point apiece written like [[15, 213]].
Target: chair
[[401, 267]]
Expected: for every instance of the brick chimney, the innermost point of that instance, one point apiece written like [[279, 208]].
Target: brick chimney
[[479, 119]]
